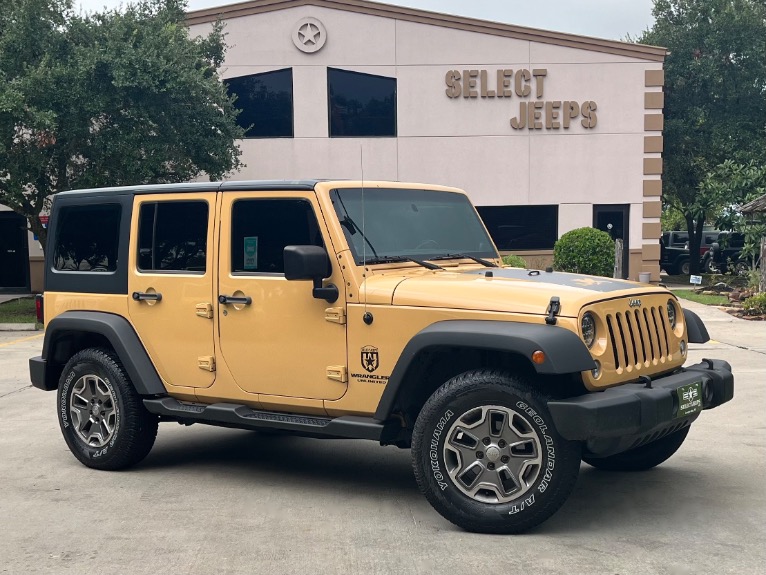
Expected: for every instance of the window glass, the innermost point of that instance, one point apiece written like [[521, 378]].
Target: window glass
[[87, 238], [260, 230], [266, 101], [172, 236], [423, 224], [522, 227], [361, 104]]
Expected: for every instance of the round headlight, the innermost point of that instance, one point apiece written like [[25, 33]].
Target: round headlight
[[588, 329], [672, 313]]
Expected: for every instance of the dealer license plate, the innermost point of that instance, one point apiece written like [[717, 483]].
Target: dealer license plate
[[689, 399]]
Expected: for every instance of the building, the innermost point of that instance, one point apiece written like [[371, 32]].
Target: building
[[546, 131]]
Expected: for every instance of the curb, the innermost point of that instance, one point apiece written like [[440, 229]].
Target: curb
[[18, 327]]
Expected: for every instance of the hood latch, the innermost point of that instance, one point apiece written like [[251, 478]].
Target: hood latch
[[554, 307]]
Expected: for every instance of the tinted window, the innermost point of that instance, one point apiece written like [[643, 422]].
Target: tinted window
[[361, 104], [173, 236], [261, 229], [87, 238], [266, 101], [522, 227], [420, 224]]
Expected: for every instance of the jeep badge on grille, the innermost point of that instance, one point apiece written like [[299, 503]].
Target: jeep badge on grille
[[635, 303]]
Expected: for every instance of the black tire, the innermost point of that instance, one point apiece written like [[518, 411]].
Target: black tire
[[545, 478], [644, 457], [119, 431], [708, 266], [684, 267]]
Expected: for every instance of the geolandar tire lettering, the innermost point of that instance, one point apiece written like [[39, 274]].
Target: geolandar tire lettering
[[101, 416], [487, 457]]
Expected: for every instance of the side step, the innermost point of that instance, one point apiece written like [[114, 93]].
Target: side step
[[243, 417]]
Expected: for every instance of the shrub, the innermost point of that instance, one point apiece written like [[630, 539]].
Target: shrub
[[514, 261], [755, 305], [585, 251]]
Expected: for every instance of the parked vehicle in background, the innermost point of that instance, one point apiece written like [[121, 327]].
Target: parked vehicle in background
[[726, 253], [674, 250], [674, 254]]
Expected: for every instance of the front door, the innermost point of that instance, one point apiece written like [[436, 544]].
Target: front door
[[274, 336], [171, 284], [14, 254], [615, 220]]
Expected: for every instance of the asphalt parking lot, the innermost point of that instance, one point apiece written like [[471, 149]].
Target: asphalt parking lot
[[222, 501]]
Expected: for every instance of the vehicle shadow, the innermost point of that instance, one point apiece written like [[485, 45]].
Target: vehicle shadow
[[601, 500]]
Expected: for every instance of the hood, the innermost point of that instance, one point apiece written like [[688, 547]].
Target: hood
[[505, 290]]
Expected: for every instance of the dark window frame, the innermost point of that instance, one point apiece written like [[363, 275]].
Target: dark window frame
[[227, 82], [156, 204], [330, 96]]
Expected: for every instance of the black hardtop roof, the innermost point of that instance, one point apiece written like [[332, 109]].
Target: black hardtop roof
[[254, 185]]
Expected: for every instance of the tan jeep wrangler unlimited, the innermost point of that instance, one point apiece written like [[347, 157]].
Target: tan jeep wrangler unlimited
[[376, 311]]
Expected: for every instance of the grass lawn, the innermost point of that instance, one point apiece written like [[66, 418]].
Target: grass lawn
[[18, 311], [699, 298]]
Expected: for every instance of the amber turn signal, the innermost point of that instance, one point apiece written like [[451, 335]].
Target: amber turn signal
[[538, 357]]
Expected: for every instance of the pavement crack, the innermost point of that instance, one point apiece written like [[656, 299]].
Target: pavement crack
[[15, 391]]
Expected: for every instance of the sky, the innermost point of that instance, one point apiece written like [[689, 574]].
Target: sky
[[612, 19]]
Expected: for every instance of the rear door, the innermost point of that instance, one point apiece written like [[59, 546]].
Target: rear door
[[170, 284]]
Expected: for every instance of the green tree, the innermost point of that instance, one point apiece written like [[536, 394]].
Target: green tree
[[122, 97], [715, 99]]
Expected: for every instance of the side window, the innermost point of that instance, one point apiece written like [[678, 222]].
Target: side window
[[172, 236], [261, 229], [87, 238]]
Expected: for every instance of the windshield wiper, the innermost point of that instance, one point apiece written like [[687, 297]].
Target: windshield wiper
[[394, 259], [481, 261]]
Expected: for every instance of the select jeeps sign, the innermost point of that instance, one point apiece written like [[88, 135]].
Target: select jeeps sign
[[534, 114]]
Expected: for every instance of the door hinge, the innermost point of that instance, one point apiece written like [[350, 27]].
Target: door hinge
[[206, 362], [337, 373], [205, 310], [335, 315]]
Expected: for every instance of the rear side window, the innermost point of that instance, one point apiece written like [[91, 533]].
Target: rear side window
[[88, 238], [172, 237]]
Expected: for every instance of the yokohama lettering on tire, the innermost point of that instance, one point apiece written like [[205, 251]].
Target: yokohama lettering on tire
[[486, 456]]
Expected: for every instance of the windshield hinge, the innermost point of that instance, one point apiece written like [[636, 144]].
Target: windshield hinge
[[554, 307]]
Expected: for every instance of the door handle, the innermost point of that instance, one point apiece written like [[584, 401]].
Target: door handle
[[229, 299], [143, 296]]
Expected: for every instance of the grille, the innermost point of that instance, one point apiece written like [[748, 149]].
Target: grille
[[639, 337]]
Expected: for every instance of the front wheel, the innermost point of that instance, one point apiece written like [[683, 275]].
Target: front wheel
[[486, 456], [644, 457], [101, 416], [684, 267]]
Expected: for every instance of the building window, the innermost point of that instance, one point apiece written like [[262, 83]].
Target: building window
[[88, 238], [266, 101], [261, 228], [522, 227], [172, 237], [361, 105]]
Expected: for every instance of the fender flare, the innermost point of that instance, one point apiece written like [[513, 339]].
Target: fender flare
[[564, 351], [120, 334], [695, 328]]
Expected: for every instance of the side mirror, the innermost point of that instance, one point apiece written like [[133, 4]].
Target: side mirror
[[715, 247], [310, 263]]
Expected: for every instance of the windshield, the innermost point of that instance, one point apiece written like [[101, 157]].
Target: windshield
[[421, 224]]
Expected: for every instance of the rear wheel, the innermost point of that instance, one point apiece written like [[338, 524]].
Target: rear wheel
[[101, 416], [684, 267], [486, 456], [644, 457]]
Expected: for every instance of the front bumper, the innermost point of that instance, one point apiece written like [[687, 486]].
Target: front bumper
[[625, 417]]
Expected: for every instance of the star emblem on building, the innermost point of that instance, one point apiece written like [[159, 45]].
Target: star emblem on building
[[309, 34]]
